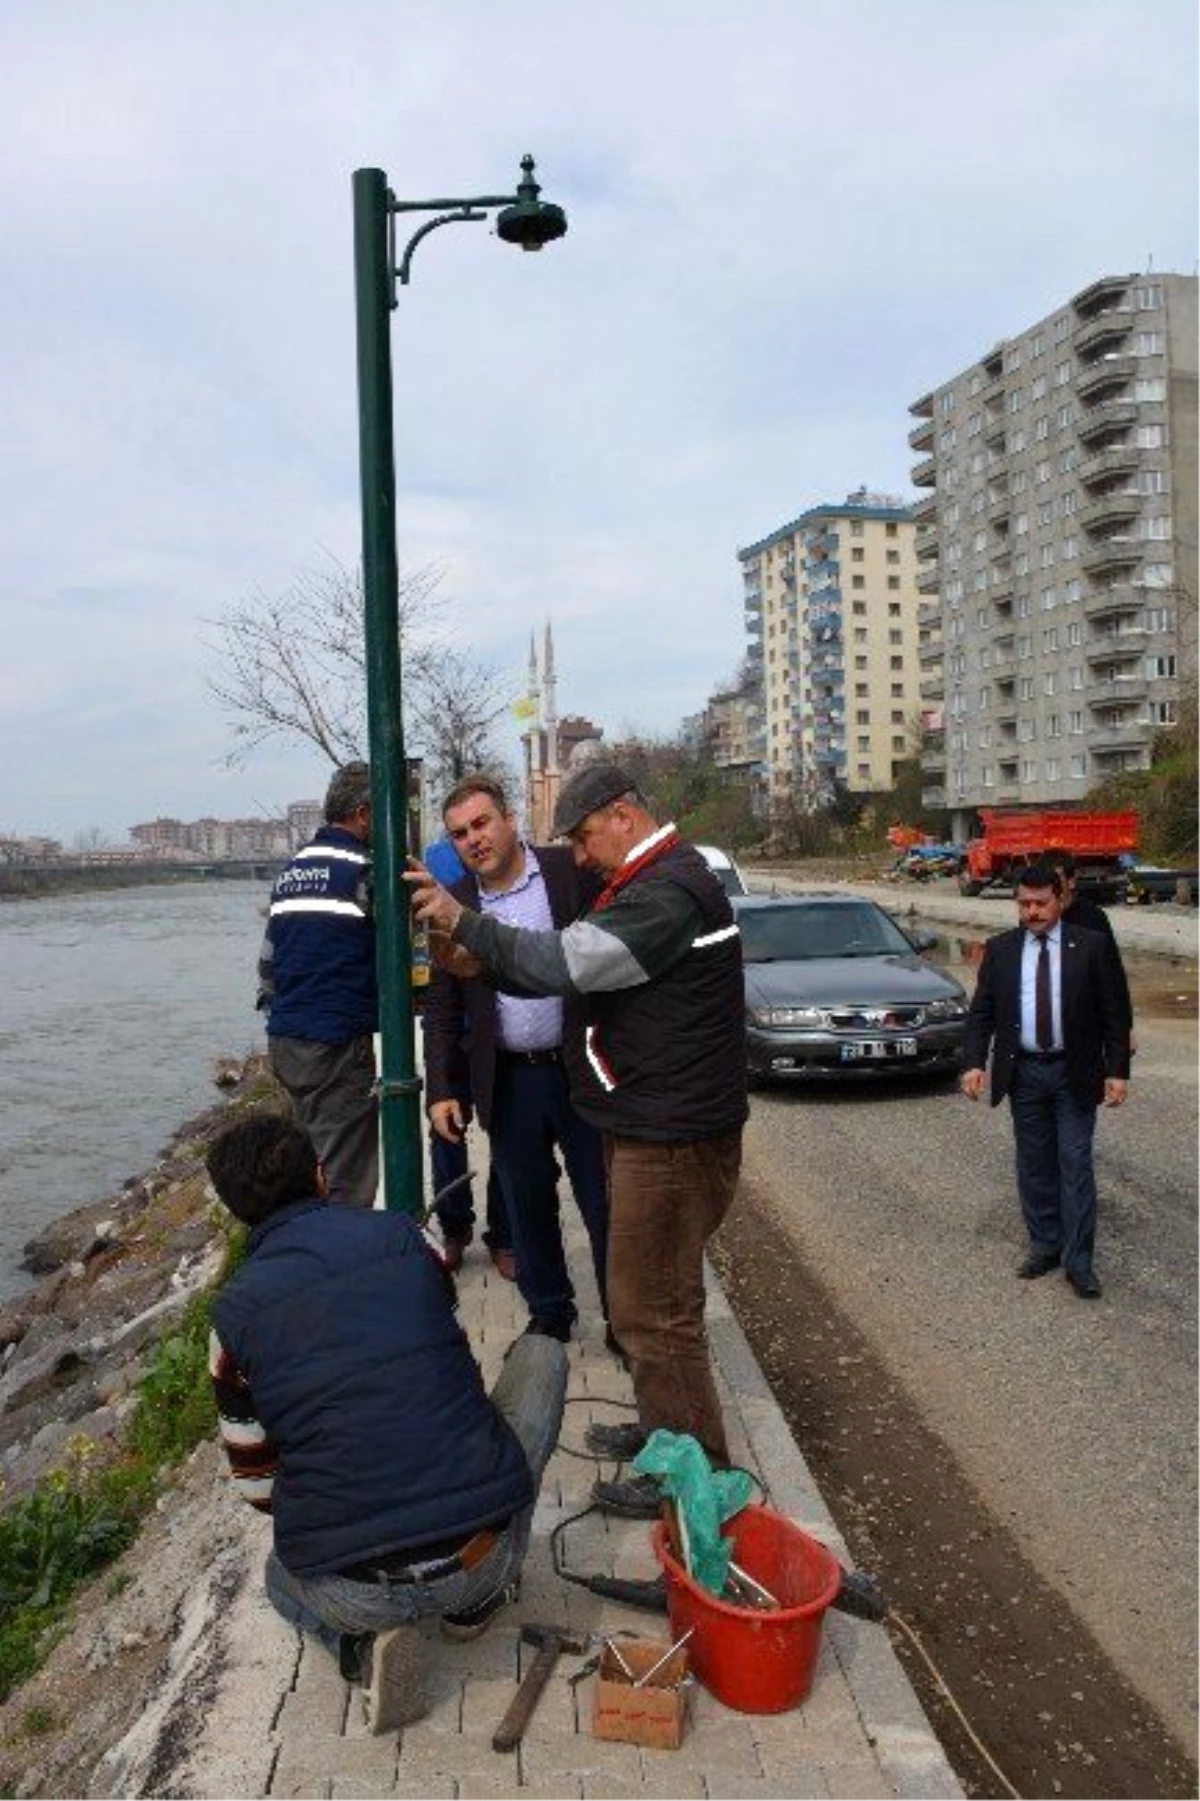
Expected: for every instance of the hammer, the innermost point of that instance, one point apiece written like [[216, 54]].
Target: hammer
[[550, 1640]]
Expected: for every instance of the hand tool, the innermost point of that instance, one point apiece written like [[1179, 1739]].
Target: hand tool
[[550, 1640]]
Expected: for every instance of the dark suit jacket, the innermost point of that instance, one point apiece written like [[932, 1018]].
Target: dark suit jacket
[[1086, 913], [460, 1016], [1094, 1024]]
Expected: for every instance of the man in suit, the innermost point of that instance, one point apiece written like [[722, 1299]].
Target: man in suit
[[513, 1062], [1048, 1005], [1079, 911]]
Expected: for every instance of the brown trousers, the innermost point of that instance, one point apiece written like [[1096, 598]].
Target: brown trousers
[[665, 1203]]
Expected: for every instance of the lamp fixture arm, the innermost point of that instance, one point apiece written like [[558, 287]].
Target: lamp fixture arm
[[468, 211]]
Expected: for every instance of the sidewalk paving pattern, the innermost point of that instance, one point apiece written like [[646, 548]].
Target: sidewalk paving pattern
[[283, 1723]]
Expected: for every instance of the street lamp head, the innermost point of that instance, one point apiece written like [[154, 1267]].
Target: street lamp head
[[531, 222]]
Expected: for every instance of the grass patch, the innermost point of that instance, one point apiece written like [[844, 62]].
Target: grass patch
[[79, 1518]]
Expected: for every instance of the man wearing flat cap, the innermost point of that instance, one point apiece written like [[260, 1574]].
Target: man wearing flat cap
[[658, 961]]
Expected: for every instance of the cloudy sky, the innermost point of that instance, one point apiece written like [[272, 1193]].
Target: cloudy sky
[[788, 218]]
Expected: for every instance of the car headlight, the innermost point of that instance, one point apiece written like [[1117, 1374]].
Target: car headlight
[[787, 1016], [946, 1010]]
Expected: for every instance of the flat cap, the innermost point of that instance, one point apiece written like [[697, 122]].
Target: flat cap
[[594, 786]]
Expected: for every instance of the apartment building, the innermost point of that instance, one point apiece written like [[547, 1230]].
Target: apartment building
[[1057, 548], [831, 616]]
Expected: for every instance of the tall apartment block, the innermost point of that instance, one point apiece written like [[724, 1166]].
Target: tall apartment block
[[1057, 548], [831, 616]]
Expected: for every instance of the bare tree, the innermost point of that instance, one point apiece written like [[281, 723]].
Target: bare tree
[[292, 667], [455, 710]]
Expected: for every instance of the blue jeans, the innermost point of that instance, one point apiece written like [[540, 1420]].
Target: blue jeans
[[531, 1113], [529, 1394], [1055, 1176]]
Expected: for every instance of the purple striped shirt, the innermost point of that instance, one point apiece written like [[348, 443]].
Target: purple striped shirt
[[525, 1025]]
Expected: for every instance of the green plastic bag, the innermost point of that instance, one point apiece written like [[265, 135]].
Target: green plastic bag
[[703, 1498]]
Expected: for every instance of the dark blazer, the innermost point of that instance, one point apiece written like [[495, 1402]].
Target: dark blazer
[[1094, 1022], [460, 1016], [1085, 913]]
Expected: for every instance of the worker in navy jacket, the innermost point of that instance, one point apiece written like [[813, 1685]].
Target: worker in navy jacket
[[317, 981], [352, 1410]]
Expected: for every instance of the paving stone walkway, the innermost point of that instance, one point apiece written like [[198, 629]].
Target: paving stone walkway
[[281, 1722]]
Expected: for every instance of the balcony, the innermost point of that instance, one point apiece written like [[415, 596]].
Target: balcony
[[1111, 465], [928, 614], [1002, 589], [1107, 739], [924, 475], [928, 579], [925, 544], [925, 512], [921, 436], [994, 431], [999, 508], [923, 408], [1122, 691], [1109, 291], [933, 762], [1116, 553], [1005, 709], [1111, 602], [1111, 509], [1116, 647], [933, 796], [1109, 416], [931, 687], [929, 654], [1104, 376], [1108, 327]]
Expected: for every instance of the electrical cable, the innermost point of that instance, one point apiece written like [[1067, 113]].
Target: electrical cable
[[982, 1749]]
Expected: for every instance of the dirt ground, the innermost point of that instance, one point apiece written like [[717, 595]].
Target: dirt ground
[[1052, 1711]]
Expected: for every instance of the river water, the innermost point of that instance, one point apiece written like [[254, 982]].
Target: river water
[[113, 1007]]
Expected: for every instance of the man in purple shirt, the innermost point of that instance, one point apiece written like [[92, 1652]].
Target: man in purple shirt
[[512, 1064]]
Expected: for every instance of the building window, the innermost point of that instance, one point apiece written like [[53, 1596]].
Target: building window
[[861, 690], [1160, 666], [1037, 345], [1078, 765], [893, 609], [1054, 725], [988, 776], [1150, 387], [897, 690], [863, 716], [860, 634], [857, 554], [858, 581], [1029, 771], [1150, 437], [860, 662], [1075, 723], [1075, 677], [1163, 712], [856, 528], [1148, 299], [891, 529], [1025, 688], [859, 609], [898, 742], [895, 662], [1053, 768]]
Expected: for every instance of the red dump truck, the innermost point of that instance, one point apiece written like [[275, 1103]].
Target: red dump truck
[[1014, 837]]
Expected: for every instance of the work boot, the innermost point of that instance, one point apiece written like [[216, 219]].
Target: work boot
[[632, 1498], [474, 1620], [454, 1249], [504, 1262], [622, 1442]]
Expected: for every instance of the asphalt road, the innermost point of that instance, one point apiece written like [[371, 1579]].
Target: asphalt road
[[1075, 1421]]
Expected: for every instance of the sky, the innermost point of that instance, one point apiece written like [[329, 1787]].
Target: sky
[[788, 219]]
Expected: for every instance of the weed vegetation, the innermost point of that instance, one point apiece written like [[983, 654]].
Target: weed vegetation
[[80, 1517]]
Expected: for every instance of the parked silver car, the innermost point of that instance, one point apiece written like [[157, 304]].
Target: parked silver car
[[835, 990]]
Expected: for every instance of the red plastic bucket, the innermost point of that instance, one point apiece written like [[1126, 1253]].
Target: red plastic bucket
[[756, 1662]]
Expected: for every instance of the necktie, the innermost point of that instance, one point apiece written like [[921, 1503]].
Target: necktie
[[1043, 1015]]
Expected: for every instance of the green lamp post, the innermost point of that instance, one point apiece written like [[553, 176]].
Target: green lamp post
[[530, 222]]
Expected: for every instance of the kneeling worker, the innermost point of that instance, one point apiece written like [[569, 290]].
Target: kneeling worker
[[352, 1410]]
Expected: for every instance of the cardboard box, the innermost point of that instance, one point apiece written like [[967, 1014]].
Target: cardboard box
[[654, 1714]]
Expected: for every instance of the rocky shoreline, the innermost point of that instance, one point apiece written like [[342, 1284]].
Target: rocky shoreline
[[114, 1276]]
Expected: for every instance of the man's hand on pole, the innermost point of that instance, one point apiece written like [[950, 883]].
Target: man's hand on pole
[[431, 904]]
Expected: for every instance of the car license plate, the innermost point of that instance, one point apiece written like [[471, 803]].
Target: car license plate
[[878, 1049]]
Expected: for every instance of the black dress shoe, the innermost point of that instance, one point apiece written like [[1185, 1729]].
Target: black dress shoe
[[1038, 1263], [550, 1328], [1085, 1284]]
